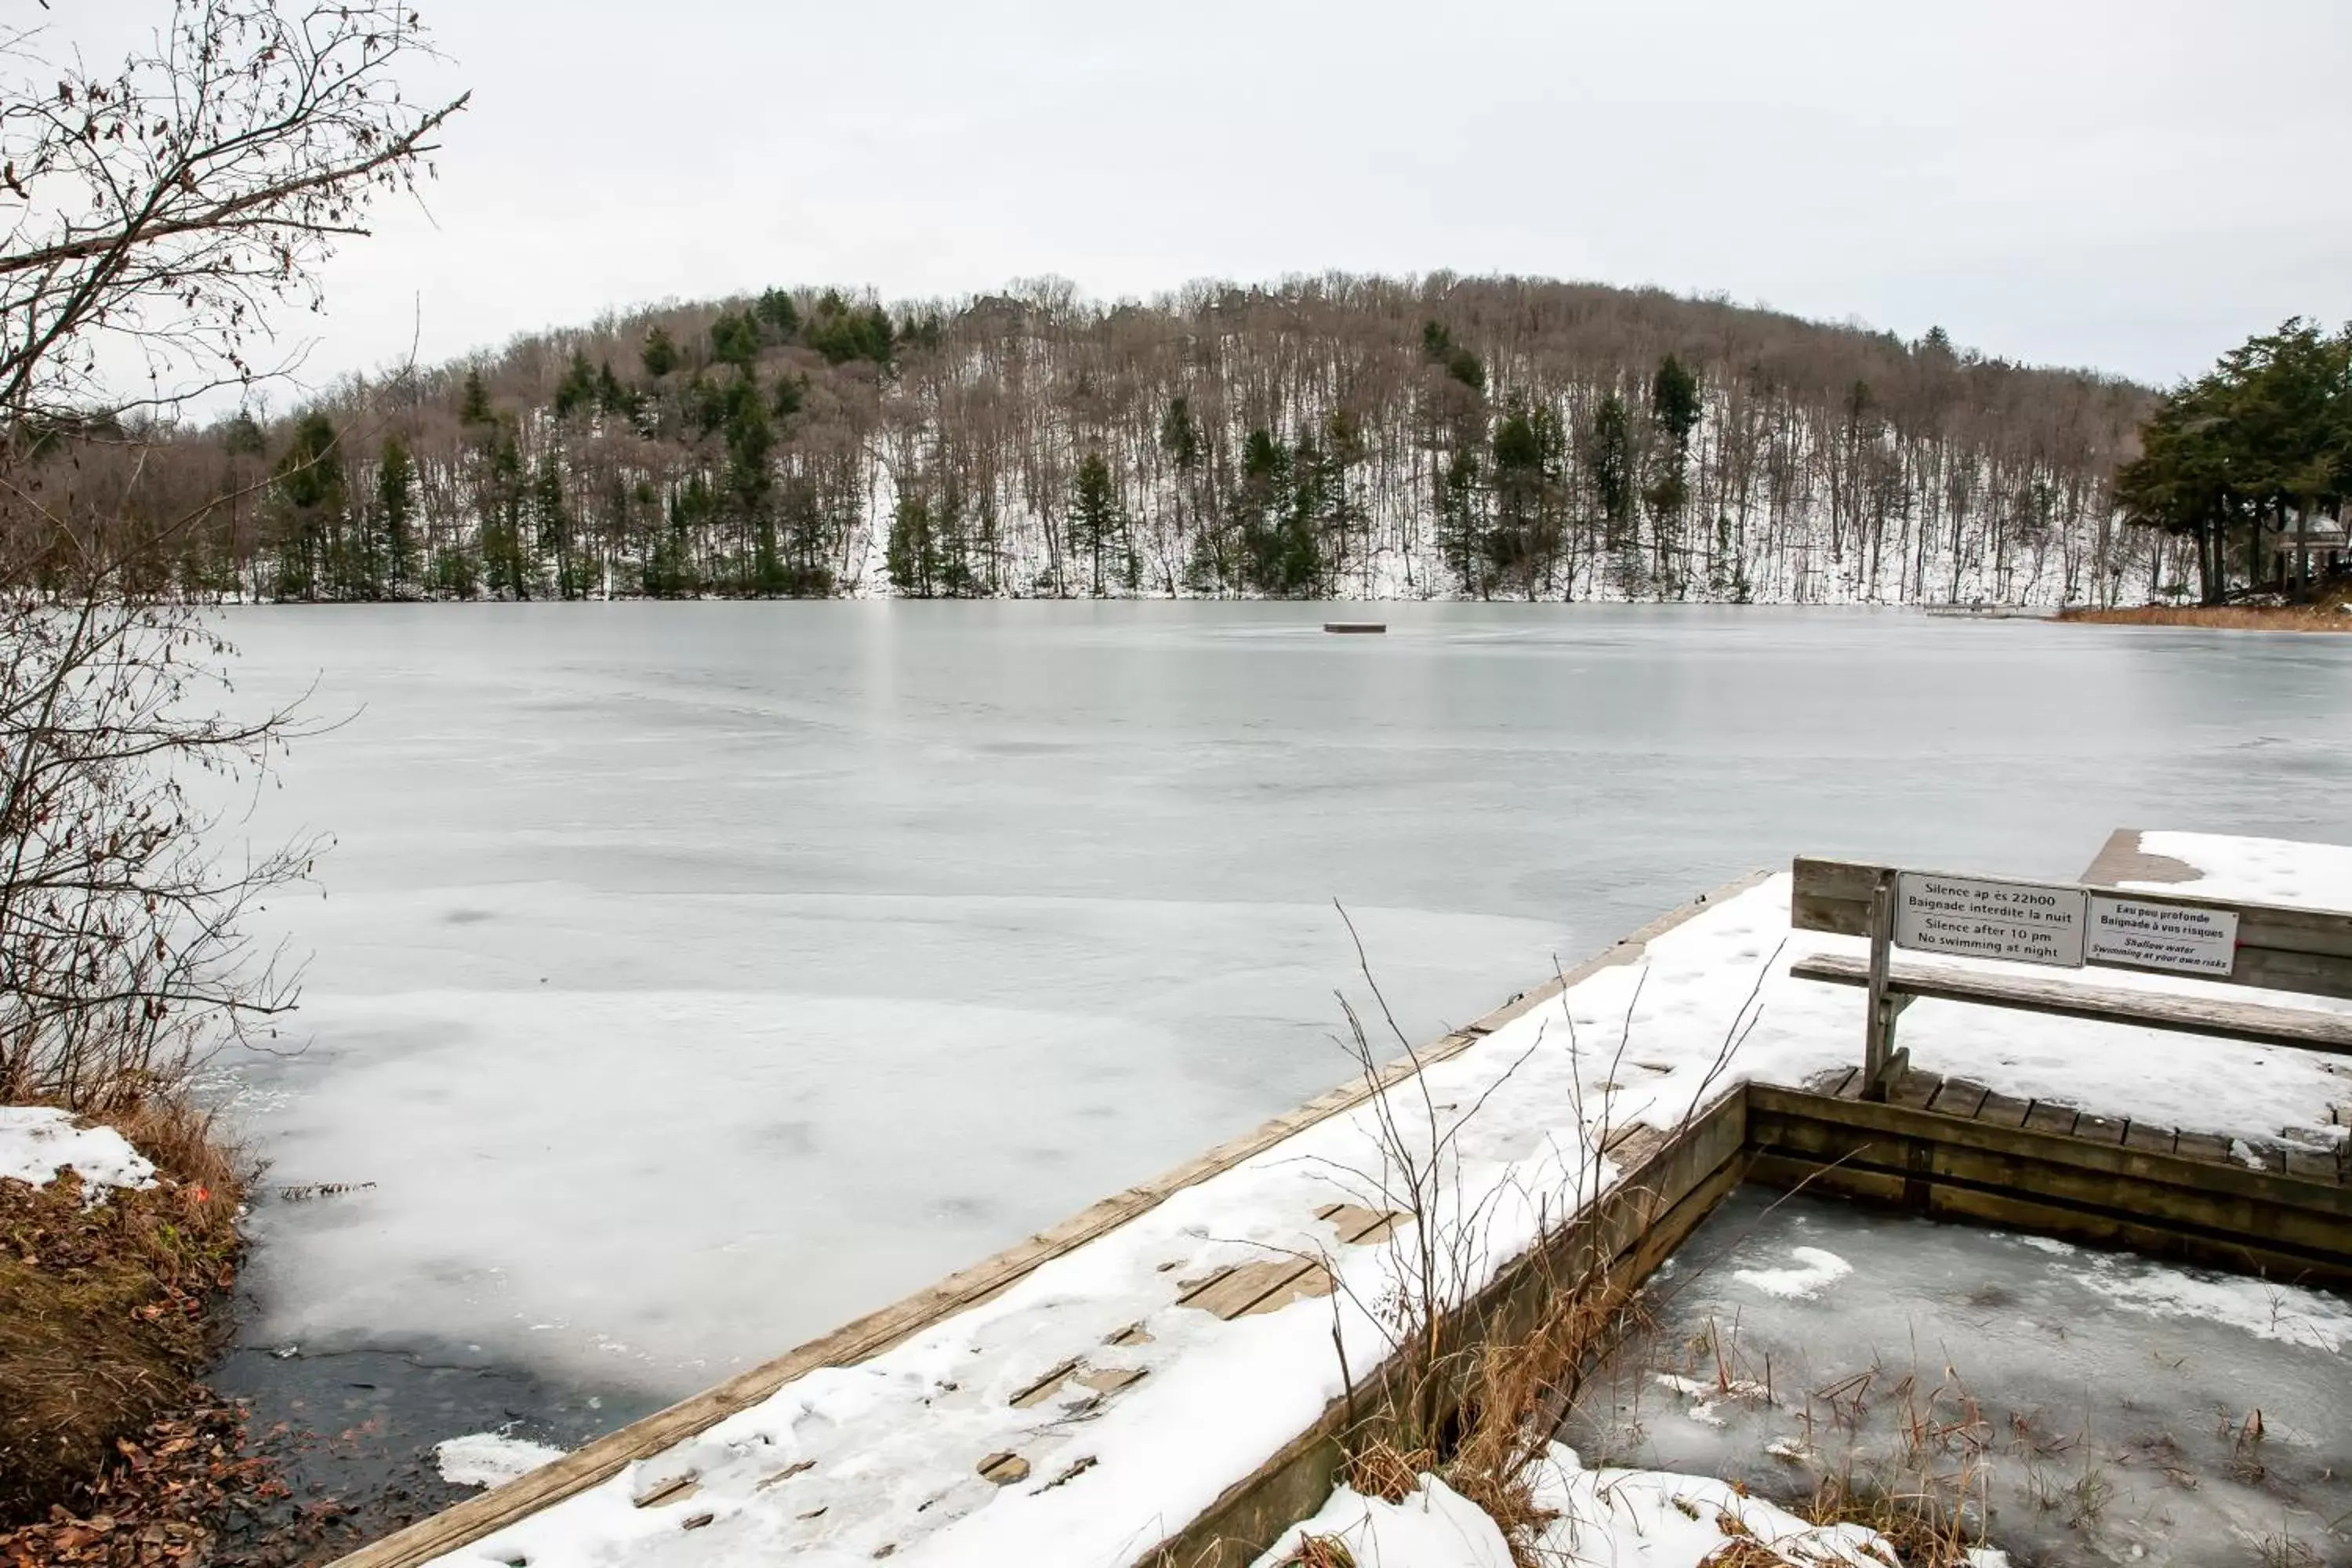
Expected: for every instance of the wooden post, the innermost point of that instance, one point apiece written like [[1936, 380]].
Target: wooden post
[[1878, 1026]]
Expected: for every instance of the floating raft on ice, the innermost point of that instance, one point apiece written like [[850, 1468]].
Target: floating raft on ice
[[1355, 625]]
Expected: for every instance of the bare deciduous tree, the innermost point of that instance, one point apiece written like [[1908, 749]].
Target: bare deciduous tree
[[163, 207], [155, 213]]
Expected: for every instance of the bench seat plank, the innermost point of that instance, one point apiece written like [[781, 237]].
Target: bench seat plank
[[2303, 1028]]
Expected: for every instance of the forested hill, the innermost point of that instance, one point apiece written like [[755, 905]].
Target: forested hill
[[1340, 437]]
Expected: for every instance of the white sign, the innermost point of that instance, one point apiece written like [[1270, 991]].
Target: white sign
[[2176, 937], [2025, 921]]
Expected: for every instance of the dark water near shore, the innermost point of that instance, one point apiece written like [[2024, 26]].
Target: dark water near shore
[[356, 1429], [693, 977]]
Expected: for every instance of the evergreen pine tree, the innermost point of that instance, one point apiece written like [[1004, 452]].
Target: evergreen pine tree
[[1608, 461], [750, 484], [309, 484], [671, 572], [1676, 408], [576, 393], [474, 408], [1675, 402], [612, 398], [242, 437], [805, 537], [659, 355], [777, 312], [395, 505], [1530, 454], [1205, 565], [735, 339], [1179, 437], [552, 523], [1097, 522], [911, 554], [505, 567], [1461, 524], [1280, 495], [842, 333]]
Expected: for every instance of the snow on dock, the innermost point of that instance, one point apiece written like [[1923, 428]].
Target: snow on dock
[[1081, 1399], [2216, 866]]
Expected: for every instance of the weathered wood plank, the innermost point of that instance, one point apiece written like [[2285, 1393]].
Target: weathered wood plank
[[1831, 896], [2203, 1146], [2099, 1129], [2148, 1137], [1357, 1225], [2301, 1028], [1836, 1084], [2317, 974], [2288, 1216], [1914, 1088], [2043, 1116], [2312, 1165], [2121, 860], [2022, 1209], [1042, 1390], [1774, 1111], [2001, 1110], [1958, 1097]]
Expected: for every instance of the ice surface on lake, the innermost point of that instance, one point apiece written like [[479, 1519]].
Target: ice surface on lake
[[2095, 1407], [693, 977]]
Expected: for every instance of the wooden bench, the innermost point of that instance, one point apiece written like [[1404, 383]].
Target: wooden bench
[[2278, 949]]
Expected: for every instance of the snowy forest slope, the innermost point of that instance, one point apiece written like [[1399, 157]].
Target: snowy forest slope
[[1332, 436]]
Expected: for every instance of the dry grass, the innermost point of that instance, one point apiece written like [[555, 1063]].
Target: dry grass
[[1476, 1392], [108, 1312], [1921, 1533], [1321, 1551], [2222, 617]]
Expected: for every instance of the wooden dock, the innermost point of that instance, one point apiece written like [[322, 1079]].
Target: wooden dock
[[1937, 1146]]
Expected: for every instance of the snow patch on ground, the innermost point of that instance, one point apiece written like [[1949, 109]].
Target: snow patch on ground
[[1435, 1527], [37, 1141], [1603, 1516], [489, 1458]]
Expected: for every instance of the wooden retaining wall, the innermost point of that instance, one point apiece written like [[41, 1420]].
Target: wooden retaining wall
[[2219, 1213]]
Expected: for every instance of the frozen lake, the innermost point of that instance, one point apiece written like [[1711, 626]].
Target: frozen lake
[[693, 977]]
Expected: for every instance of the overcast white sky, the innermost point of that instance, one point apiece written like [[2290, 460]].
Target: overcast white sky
[[2133, 184]]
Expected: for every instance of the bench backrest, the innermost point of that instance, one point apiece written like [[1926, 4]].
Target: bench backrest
[[2278, 949]]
